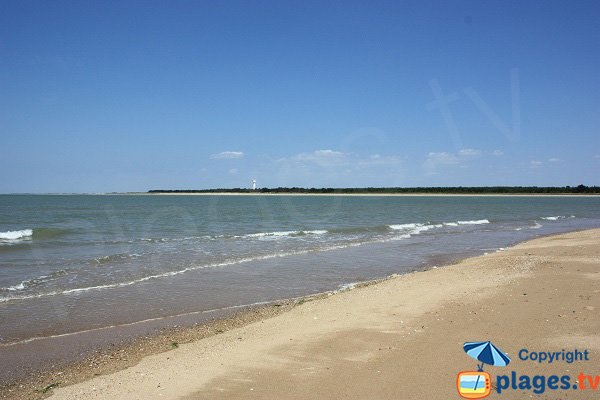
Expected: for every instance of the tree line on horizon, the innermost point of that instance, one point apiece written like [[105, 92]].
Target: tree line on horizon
[[580, 189]]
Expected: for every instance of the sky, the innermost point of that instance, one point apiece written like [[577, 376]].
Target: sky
[[101, 96]]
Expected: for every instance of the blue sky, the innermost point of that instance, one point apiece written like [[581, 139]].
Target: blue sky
[[131, 96]]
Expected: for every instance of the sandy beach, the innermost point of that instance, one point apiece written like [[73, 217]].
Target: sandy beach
[[400, 338]]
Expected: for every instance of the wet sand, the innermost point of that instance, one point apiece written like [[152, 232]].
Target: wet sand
[[388, 340]]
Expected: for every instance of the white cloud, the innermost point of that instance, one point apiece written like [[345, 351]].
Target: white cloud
[[234, 171], [444, 158], [227, 155], [332, 158], [323, 157], [535, 163], [498, 153], [469, 152], [328, 167], [554, 160], [377, 159]]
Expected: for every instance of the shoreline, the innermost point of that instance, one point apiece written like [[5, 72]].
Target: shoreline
[[122, 354], [113, 357], [103, 364], [119, 356]]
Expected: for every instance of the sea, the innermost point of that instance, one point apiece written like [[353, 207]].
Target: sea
[[81, 266]]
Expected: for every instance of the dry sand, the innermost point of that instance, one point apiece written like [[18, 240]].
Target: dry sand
[[398, 339]]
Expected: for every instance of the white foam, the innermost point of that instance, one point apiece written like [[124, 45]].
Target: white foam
[[424, 228], [404, 226], [474, 222], [554, 218], [33, 282], [16, 235], [402, 237], [280, 234], [265, 234], [345, 287], [316, 232], [20, 286], [412, 229]]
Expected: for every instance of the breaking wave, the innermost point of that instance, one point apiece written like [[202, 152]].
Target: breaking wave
[[281, 234], [16, 235], [34, 282], [413, 228], [475, 222], [385, 233], [19, 236], [167, 274], [556, 218]]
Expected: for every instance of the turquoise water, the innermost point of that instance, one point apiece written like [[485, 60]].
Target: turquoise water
[[74, 263]]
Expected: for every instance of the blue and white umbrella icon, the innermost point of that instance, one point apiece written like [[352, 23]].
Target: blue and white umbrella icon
[[487, 353]]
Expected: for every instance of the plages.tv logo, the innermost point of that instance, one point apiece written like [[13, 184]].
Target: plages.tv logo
[[477, 384]]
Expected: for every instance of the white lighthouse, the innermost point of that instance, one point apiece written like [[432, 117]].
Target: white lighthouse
[[253, 184]]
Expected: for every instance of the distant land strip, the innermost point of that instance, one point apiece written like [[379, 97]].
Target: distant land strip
[[581, 189]]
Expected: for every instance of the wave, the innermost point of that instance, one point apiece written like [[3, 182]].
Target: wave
[[115, 257], [475, 222], [165, 274], [29, 234], [398, 227], [408, 230], [155, 240], [556, 218], [48, 233], [360, 229], [188, 269], [275, 234], [40, 280], [282, 234], [420, 227], [278, 234], [404, 231], [16, 235], [313, 232], [417, 227]]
